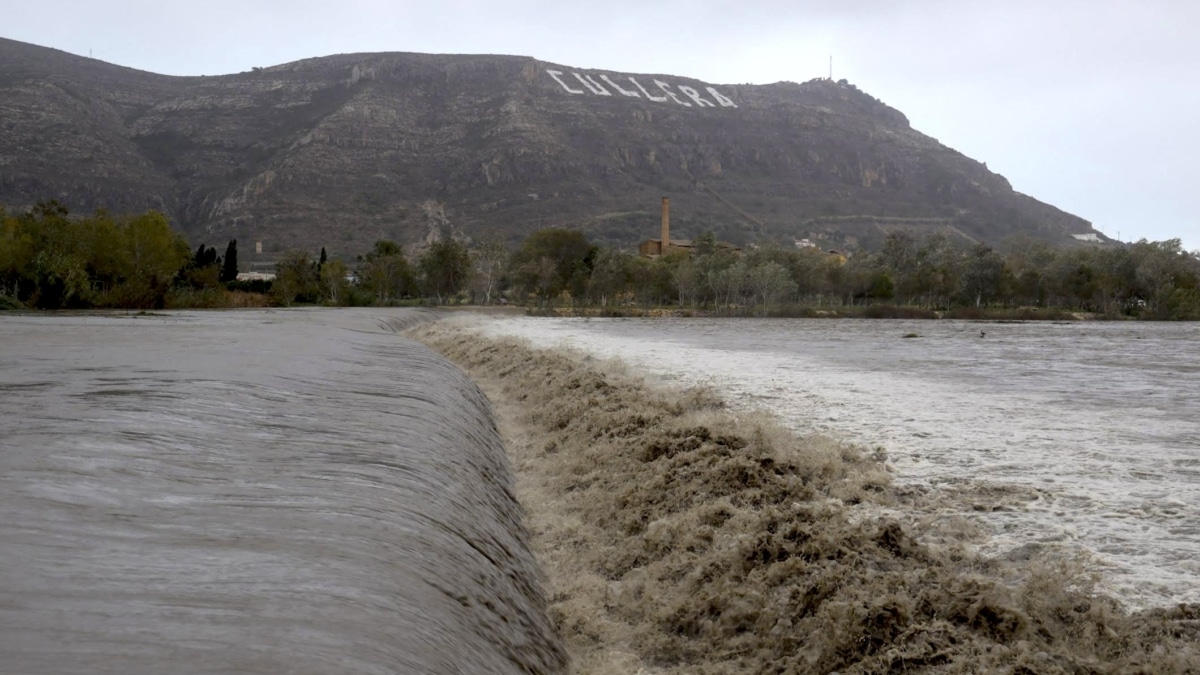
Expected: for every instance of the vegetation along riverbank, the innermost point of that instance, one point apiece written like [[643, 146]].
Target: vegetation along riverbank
[[51, 259], [680, 537]]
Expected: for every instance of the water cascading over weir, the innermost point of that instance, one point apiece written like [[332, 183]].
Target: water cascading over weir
[[263, 492]]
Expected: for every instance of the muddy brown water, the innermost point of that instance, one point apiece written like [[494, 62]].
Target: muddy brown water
[[255, 492], [1080, 435]]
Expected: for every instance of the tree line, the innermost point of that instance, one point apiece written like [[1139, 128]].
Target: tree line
[[51, 260], [48, 259], [1154, 280], [557, 267]]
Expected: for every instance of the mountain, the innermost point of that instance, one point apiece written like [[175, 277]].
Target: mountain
[[342, 150]]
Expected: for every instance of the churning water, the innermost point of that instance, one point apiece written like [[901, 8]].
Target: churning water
[[1091, 430], [254, 492]]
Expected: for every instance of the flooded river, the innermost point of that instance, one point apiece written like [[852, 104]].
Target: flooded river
[[1079, 435], [254, 492]]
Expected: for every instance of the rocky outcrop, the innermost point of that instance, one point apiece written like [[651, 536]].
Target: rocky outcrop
[[342, 150]]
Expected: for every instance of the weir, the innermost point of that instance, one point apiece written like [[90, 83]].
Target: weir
[[263, 492]]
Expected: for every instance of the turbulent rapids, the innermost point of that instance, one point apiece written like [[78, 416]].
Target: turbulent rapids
[[680, 535], [314, 492], [301, 492]]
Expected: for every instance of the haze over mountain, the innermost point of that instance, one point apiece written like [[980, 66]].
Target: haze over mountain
[[342, 150]]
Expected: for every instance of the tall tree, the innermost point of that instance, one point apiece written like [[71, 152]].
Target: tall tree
[[386, 272], [1159, 264], [899, 258], [487, 257], [155, 253], [728, 284], [939, 270], [333, 282], [688, 281], [229, 270], [568, 252], [650, 281], [445, 267], [610, 277], [295, 278], [982, 275], [770, 283]]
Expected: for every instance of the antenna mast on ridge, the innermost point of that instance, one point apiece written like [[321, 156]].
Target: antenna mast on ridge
[[831, 67]]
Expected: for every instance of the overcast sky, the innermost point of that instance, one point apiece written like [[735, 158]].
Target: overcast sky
[[1091, 106]]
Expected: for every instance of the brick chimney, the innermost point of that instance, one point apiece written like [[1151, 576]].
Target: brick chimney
[[666, 225]]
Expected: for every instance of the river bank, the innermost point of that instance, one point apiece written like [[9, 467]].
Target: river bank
[[678, 535]]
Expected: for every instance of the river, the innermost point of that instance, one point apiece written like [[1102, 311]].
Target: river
[[255, 492], [1077, 436]]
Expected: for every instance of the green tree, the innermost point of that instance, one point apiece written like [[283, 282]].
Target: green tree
[[1032, 263], [899, 258], [57, 271], [49, 259], [610, 277], [982, 275], [729, 284], [155, 251], [295, 278], [939, 271], [445, 267], [568, 252], [854, 279], [770, 283], [706, 243], [229, 269], [17, 249], [688, 281], [539, 276], [108, 261], [650, 281], [203, 271], [882, 287], [812, 274], [1116, 280], [385, 272], [1160, 264], [334, 286], [711, 266]]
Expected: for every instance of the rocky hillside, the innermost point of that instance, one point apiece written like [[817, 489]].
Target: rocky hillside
[[342, 150]]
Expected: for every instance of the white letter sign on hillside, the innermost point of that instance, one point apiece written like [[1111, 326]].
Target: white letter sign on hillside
[[557, 75], [667, 90], [614, 85], [652, 98], [591, 85], [695, 96]]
